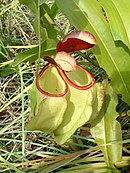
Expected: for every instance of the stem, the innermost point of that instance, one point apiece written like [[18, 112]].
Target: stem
[[22, 112], [88, 58], [39, 37]]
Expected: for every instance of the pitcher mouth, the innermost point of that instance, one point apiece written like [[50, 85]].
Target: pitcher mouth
[[45, 92], [67, 81], [79, 87]]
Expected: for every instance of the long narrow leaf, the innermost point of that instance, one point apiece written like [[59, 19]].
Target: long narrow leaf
[[47, 48], [106, 130], [113, 57], [117, 14]]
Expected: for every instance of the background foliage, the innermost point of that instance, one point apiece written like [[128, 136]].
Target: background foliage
[[30, 31]]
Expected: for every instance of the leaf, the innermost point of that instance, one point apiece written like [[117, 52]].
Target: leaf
[[43, 31], [43, 19], [41, 1], [76, 40], [117, 14], [107, 131], [32, 5], [54, 10], [46, 11], [113, 57], [47, 48], [7, 70], [65, 61]]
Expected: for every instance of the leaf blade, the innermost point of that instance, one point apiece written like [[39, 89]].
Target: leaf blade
[[106, 130], [117, 15], [47, 48], [114, 58]]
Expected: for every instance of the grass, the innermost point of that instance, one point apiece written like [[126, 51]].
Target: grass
[[21, 150]]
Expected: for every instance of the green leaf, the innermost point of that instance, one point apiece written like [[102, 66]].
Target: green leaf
[[40, 1], [107, 131], [117, 14], [54, 10], [47, 12], [47, 48], [65, 61], [43, 31], [7, 70], [32, 5], [47, 21], [43, 19], [113, 57]]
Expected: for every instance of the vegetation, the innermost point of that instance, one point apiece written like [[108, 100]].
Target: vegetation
[[30, 31]]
